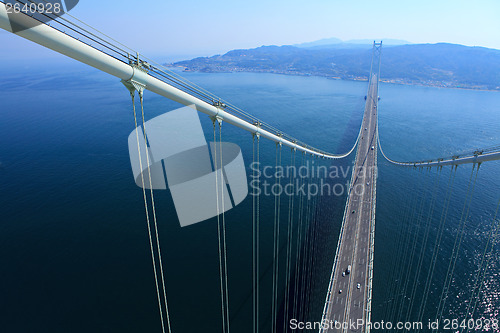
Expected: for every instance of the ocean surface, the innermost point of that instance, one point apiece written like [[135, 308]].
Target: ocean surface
[[74, 250]]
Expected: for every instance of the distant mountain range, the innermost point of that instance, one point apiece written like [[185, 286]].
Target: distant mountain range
[[354, 43], [442, 64]]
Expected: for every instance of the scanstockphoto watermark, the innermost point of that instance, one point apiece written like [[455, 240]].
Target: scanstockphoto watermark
[[445, 324], [308, 180], [358, 324]]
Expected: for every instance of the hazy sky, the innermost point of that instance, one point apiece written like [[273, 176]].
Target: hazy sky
[[205, 27]]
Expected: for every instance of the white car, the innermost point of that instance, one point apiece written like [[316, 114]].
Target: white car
[[358, 286]]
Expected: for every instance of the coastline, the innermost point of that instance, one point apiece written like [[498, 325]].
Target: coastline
[[362, 79]]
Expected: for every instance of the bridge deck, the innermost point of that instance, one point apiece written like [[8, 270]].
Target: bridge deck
[[356, 244]]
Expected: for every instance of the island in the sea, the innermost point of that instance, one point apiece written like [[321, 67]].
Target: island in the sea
[[442, 64]]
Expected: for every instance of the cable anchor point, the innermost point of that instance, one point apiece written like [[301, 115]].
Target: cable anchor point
[[257, 133]]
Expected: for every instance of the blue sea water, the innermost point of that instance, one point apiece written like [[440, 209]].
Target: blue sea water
[[74, 249]]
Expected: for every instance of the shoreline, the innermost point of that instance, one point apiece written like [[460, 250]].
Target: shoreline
[[359, 79]]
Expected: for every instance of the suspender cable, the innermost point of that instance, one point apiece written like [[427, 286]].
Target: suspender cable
[[424, 243], [276, 240], [289, 241], [482, 268], [154, 215], [412, 242], [397, 269], [310, 250], [255, 229], [254, 288], [411, 235], [406, 273], [493, 235], [437, 243], [307, 238], [458, 242], [314, 238], [223, 185], [221, 228], [258, 240], [132, 94], [419, 219], [304, 249], [298, 249], [396, 264]]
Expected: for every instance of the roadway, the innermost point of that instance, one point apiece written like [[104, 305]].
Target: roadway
[[351, 305]]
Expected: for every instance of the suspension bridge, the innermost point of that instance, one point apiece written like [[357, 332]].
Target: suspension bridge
[[349, 293], [350, 289]]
